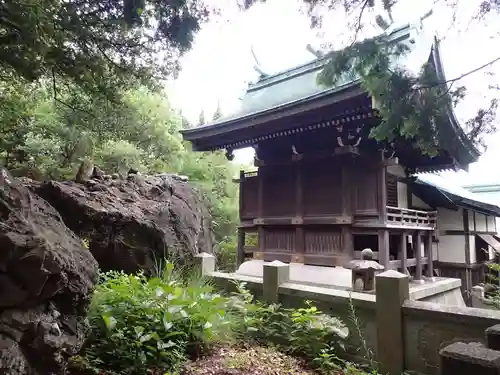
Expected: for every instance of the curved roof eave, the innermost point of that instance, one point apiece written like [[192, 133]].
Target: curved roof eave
[[398, 33], [472, 152], [229, 121]]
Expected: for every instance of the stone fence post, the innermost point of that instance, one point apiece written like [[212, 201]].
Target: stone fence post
[[275, 274], [204, 263], [392, 290]]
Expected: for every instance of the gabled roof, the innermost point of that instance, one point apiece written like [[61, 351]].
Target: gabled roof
[[288, 88], [292, 86], [436, 191], [297, 90]]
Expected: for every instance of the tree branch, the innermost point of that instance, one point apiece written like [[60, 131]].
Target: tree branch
[[359, 25], [453, 80]]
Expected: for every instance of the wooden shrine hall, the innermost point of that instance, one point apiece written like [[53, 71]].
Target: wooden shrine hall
[[324, 190]]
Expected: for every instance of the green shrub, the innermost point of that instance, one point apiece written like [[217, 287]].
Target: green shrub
[[304, 332], [226, 254], [140, 324]]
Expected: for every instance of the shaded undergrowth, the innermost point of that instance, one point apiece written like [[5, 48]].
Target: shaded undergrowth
[[177, 321]]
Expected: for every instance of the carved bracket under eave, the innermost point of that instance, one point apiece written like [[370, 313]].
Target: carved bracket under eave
[[229, 154], [347, 150]]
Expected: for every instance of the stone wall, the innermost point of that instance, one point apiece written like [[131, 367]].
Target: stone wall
[[461, 358], [428, 327], [405, 334]]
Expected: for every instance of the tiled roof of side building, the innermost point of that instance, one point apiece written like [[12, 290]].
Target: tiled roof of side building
[[460, 196], [483, 188]]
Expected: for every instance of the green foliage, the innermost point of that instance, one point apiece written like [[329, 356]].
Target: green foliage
[[142, 132], [98, 45], [226, 254], [493, 285], [201, 118], [213, 175], [411, 106], [141, 324], [304, 332], [217, 114]]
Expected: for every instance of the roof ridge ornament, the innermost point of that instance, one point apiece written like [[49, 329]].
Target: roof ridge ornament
[[257, 66], [316, 52]]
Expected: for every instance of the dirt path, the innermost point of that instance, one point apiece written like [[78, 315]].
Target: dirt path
[[247, 361]]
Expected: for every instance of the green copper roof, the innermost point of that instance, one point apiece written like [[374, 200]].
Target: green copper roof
[[483, 188], [292, 86]]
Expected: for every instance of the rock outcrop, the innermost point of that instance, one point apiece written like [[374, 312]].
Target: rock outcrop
[[46, 280], [136, 222]]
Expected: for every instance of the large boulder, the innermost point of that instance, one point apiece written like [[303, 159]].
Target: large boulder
[[136, 222], [46, 280]]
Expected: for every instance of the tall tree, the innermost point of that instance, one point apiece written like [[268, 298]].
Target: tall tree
[[218, 112], [98, 45], [201, 118], [420, 99]]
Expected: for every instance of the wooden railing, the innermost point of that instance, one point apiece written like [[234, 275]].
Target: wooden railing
[[405, 217]]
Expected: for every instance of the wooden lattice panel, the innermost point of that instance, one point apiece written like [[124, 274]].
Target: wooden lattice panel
[[279, 239], [323, 241], [392, 190]]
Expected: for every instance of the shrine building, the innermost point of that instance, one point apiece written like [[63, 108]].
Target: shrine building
[[324, 190]]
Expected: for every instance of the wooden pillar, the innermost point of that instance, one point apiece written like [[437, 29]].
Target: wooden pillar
[[242, 192], [430, 256], [382, 189], [468, 272], [260, 209], [346, 188], [240, 256], [418, 256], [299, 214], [383, 247], [403, 254]]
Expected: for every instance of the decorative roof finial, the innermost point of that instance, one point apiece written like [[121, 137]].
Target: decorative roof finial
[[257, 67], [315, 52], [424, 17]]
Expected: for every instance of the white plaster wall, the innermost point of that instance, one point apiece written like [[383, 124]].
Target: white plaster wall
[[402, 197], [472, 248], [449, 220], [481, 223], [491, 223], [419, 203], [435, 250], [451, 249], [471, 219], [491, 253]]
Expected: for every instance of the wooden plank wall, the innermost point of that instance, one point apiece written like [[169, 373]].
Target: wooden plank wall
[[312, 190], [321, 191]]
